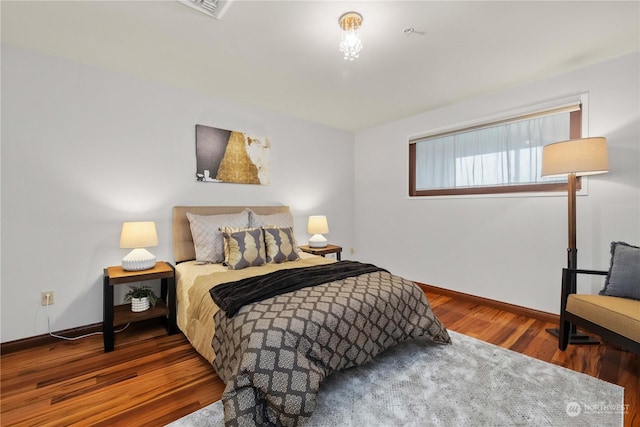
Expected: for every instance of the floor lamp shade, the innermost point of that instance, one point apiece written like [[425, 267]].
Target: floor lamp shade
[[317, 225], [138, 236], [585, 156]]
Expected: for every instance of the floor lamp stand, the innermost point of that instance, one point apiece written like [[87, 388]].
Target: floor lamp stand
[[572, 264]]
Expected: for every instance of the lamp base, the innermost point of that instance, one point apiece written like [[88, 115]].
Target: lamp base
[[318, 241], [575, 337], [138, 259]]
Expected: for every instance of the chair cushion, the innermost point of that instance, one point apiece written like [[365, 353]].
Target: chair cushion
[[623, 279], [620, 315]]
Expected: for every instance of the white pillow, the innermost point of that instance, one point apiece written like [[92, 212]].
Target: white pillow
[[283, 220], [207, 238], [280, 220]]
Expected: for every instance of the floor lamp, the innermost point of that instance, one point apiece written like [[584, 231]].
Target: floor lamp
[[573, 158]]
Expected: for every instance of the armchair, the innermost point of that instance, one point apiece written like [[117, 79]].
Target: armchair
[[614, 319]]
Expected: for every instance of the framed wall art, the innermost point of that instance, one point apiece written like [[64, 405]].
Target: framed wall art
[[231, 156]]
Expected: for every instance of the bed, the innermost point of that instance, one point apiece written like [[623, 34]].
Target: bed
[[274, 321]]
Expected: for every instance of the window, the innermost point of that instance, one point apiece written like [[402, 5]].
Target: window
[[499, 157]]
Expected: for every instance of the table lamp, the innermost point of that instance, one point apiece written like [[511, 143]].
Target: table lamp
[[137, 236], [317, 225]]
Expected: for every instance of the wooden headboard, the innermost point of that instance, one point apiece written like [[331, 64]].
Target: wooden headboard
[[183, 248]]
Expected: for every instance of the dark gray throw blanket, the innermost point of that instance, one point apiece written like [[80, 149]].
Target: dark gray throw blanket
[[274, 354], [233, 295]]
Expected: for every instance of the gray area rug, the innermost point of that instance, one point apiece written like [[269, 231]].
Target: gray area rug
[[469, 383]]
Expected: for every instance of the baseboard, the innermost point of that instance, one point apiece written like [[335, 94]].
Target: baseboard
[[511, 308], [26, 343], [46, 339]]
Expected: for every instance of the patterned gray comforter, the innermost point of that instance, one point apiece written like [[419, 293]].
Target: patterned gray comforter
[[274, 354]]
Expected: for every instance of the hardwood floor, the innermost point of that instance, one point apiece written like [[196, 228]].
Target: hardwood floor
[[152, 379]]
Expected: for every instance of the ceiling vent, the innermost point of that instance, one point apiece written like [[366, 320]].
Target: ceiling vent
[[213, 8]]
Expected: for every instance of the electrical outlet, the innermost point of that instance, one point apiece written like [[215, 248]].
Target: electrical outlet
[[43, 295]]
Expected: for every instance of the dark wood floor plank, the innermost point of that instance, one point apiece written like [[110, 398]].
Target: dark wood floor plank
[[152, 379]]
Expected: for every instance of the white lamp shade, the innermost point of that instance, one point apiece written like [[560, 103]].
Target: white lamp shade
[[584, 156], [137, 236], [317, 225]]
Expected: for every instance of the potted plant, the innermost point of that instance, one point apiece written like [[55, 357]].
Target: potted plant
[[141, 297]]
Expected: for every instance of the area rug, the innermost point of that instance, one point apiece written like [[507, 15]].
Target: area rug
[[468, 383]]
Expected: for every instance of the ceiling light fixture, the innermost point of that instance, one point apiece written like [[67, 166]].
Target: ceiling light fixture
[[351, 44], [214, 8]]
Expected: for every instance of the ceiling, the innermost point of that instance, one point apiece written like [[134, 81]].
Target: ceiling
[[284, 56]]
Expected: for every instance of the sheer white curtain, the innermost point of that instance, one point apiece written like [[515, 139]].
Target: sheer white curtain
[[505, 154]]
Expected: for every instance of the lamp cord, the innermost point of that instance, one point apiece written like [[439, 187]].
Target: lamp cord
[[78, 337]]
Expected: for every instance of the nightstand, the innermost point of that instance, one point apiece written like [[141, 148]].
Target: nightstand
[[121, 314], [330, 249]]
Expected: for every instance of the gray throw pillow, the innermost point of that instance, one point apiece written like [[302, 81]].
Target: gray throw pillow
[[623, 279], [244, 248], [280, 244]]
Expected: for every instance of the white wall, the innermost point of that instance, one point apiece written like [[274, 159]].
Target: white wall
[[84, 149], [510, 249]]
